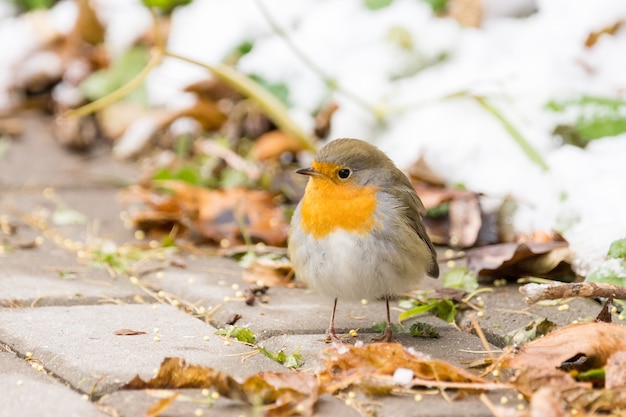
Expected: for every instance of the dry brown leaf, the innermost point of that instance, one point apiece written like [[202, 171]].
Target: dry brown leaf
[[579, 346], [466, 12], [214, 214], [513, 259], [271, 272], [547, 402], [283, 393], [323, 119], [272, 144], [609, 30], [532, 378], [128, 332], [615, 371], [368, 367], [160, 406], [465, 220]]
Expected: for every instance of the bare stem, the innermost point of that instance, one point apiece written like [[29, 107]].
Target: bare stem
[[512, 130]]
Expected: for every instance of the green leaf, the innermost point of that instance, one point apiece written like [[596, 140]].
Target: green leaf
[[536, 328], [608, 275], [592, 375], [128, 65], [377, 4], [382, 325], [165, 5], [242, 334], [416, 311], [460, 279], [438, 6], [293, 360], [618, 249], [423, 330], [439, 210], [596, 117], [34, 4], [278, 90], [446, 310]]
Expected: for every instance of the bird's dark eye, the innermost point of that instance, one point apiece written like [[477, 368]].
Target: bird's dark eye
[[344, 173]]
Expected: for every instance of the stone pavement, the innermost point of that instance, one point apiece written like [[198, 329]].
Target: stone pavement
[[60, 356]]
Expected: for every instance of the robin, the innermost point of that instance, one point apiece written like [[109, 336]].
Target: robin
[[358, 233]]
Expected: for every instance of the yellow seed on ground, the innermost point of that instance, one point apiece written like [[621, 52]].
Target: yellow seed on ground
[[134, 280], [20, 382], [160, 275], [215, 395], [451, 264], [613, 309], [235, 286], [154, 244], [418, 397], [157, 339], [520, 396], [226, 343], [496, 373], [504, 400], [480, 314], [191, 281], [198, 412], [85, 397], [239, 294], [206, 338], [156, 330], [155, 307], [205, 392], [29, 355], [140, 234], [620, 317], [353, 333], [521, 407], [563, 307], [364, 301], [161, 293], [449, 253]]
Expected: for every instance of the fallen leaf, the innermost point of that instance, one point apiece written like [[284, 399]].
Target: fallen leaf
[[467, 12], [465, 220], [369, 368], [271, 272], [615, 371], [539, 327], [128, 332], [593, 37], [579, 346], [519, 259], [161, 405], [272, 144], [282, 393], [217, 215], [323, 119]]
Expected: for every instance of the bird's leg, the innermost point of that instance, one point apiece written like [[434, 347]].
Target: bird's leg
[[331, 336], [388, 333]]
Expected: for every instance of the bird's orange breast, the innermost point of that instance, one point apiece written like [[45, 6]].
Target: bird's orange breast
[[328, 205]]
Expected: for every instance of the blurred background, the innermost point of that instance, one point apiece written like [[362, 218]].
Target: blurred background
[[508, 116]]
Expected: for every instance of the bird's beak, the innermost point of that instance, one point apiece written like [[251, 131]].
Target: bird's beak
[[308, 171]]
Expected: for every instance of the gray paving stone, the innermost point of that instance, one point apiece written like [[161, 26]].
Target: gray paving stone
[[460, 347], [36, 159], [35, 277], [505, 310], [135, 403], [288, 311], [78, 343], [29, 393]]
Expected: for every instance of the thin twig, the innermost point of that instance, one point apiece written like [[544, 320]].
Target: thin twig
[[538, 292], [515, 134]]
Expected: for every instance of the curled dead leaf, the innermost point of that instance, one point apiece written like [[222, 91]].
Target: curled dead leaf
[[271, 272], [369, 367], [513, 259], [283, 393], [578, 346]]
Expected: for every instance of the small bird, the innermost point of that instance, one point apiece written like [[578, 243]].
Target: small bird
[[358, 233]]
